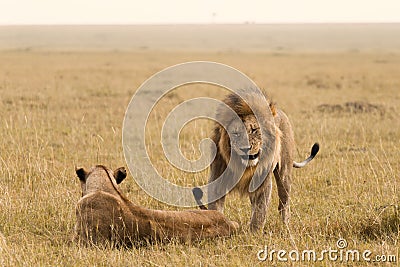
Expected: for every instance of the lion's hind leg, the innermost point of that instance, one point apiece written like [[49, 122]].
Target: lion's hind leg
[[283, 183]]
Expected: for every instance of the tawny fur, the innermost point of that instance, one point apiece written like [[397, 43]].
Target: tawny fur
[[271, 134], [105, 216]]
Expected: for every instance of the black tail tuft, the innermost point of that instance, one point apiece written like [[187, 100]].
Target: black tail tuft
[[198, 194], [314, 149]]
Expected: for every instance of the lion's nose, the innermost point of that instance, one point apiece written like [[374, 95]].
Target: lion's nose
[[245, 149]]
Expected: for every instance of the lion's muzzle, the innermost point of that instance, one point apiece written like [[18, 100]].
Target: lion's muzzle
[[250, 159]]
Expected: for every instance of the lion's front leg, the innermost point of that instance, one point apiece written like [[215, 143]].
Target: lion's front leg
[[217, 187], [217, 205], [259, 204], [216, 202]]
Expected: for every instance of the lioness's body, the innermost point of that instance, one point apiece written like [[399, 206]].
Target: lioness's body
[[269, 149], [105, 215]]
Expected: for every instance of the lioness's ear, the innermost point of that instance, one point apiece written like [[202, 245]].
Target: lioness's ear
[[119, 174], [81, 174], [273, 108]]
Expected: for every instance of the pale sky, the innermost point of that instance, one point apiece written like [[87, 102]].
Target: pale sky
[[196, 11]]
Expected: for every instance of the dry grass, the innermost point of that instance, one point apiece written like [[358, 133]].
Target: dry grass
[[60, 110]]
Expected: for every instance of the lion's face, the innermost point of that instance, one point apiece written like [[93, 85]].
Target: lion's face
[[248, 151]]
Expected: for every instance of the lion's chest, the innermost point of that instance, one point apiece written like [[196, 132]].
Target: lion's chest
[[243, 185]]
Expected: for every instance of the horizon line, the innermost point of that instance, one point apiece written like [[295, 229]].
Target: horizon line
[[198, 24]]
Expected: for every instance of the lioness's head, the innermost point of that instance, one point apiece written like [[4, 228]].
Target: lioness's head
[[100, 178], [246, 145]]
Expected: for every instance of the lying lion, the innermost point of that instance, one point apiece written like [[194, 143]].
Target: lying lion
[[106, 216]]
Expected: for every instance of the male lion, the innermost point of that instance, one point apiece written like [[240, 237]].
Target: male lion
[[266, 147], [106, 216]]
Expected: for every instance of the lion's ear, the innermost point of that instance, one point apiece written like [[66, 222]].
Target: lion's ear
[[81, 174], [120, 174], [272, 106]]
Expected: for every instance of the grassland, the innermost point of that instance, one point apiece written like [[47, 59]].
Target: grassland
[[61, 109]]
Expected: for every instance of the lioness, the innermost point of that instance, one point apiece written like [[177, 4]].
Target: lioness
[[105, 216], [269, 149]]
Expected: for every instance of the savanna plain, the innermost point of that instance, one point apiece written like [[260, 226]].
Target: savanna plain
[[63, 101]]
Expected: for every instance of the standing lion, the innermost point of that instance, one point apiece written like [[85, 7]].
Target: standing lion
[[259, 144]]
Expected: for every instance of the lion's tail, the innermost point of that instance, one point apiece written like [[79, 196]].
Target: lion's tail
[[314, 151], [198, 194]]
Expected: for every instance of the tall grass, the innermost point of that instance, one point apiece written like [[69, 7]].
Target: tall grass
[[62, 110]]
